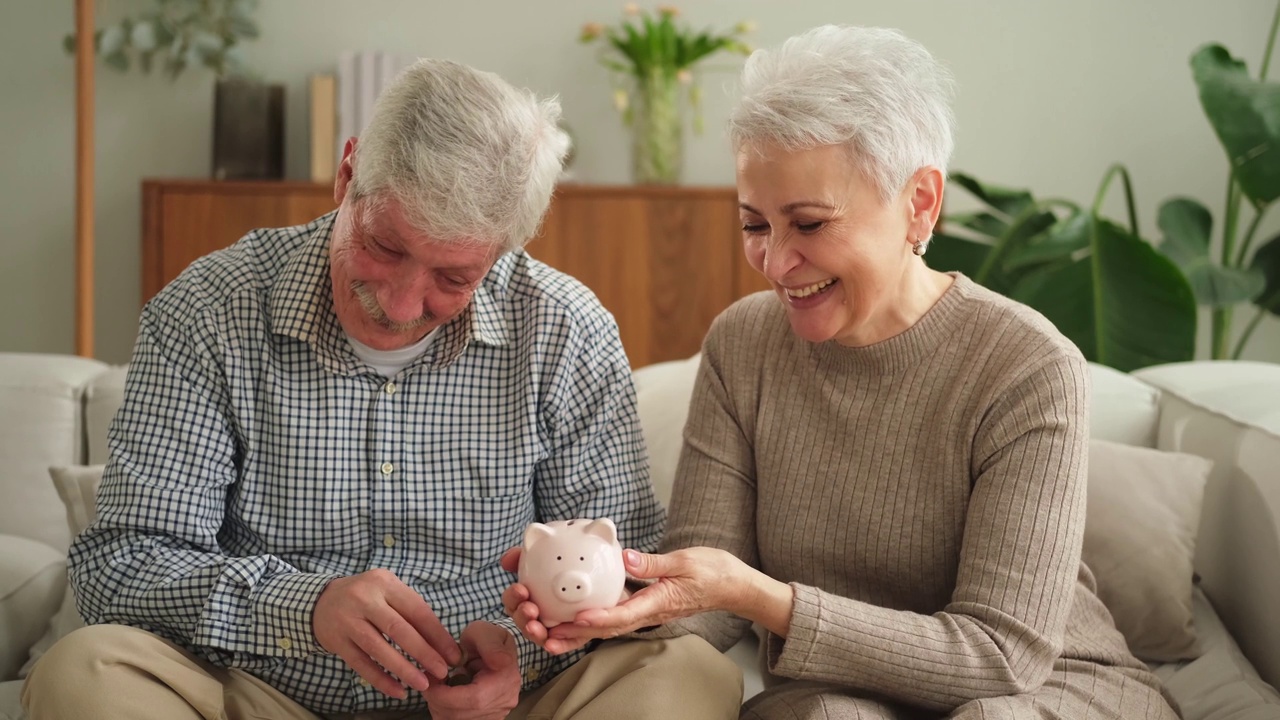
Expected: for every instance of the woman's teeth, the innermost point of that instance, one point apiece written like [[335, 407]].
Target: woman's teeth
[[811, 289]]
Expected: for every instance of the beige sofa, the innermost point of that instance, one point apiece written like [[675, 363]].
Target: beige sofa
[[54, 411]]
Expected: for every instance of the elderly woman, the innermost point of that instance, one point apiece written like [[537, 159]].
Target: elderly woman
[[884, 466]]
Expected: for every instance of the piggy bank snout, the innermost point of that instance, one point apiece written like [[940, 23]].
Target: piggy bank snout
[[572, 587]]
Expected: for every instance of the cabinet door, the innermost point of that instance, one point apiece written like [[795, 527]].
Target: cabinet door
[[665, 264], [186, 221]]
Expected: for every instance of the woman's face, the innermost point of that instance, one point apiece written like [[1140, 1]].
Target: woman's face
[[836, 255]]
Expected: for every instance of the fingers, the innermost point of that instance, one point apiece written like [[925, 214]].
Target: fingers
[[375, 647], [645, 566], [516, 603], [416, 628], [511, 560], [494, 645]]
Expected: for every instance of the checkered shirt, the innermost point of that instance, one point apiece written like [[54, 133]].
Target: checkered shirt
[[256, 458]]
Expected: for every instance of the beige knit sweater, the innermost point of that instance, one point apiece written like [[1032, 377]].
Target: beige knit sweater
[[924, 497]]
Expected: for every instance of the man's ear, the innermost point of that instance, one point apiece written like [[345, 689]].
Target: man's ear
[[346, 170]]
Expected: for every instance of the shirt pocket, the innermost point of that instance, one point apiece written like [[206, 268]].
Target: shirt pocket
[[467, 534]]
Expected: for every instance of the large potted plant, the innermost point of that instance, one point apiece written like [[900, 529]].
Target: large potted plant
[[1125, 301], [175, 36]]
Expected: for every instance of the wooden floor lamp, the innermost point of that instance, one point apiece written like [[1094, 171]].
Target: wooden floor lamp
[[84, 176]]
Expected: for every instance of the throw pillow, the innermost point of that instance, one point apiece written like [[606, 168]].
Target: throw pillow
[[1139, 541], [77, 486]]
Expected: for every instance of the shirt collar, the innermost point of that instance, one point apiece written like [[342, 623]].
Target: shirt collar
[[302, 308]]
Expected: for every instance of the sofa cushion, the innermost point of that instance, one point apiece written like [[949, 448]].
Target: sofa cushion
[[102, 398], [77, 486], [41, 402], [1139, 541], [1221, 684], [32, 578], [1123, 409], [663, 392]]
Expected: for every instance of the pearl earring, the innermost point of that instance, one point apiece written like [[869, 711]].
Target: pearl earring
[[918, 247]]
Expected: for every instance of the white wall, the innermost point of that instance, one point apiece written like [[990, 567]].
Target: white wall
[[1051, 93]]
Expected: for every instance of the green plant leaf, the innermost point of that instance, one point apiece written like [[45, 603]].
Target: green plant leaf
[[1058, 242], [1008, 201], [1188, 226], [143, 36], [981, 222], [117, 60], [1267, 262], [1245, 114], [244, 28], [948, 252], [114, 39], [1124, 305]]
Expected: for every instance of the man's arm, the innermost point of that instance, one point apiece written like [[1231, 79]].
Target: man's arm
[[153, 559]]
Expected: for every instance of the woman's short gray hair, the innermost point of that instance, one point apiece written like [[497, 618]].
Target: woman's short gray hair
[[872, 89], [469, 157]]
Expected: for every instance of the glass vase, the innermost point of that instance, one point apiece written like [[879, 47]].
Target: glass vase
[[657, 126]]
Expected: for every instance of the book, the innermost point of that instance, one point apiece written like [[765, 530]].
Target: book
[[325, 149]]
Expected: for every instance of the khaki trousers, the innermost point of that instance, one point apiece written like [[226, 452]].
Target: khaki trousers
[[114, 672]]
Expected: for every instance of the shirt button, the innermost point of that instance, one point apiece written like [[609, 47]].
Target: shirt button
[[365, 683], [388, 468], [389, 388], [388, 540], [531, 675], [285, 643]]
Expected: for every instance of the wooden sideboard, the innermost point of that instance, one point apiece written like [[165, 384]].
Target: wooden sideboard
[[665, 261]]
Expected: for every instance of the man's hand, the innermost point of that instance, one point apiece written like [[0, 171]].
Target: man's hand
[[494, 690], [518, 606], [354, 617]]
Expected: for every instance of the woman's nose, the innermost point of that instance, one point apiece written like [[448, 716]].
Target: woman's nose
[[779, 260]]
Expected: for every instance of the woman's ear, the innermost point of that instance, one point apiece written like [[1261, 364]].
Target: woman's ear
[[926, 189]]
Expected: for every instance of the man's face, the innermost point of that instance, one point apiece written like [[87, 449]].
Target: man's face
[[393, 284]]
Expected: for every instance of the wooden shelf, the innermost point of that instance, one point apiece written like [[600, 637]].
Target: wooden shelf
[[664, 260]]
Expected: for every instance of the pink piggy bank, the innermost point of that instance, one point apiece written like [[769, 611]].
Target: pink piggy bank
[[571, 565]]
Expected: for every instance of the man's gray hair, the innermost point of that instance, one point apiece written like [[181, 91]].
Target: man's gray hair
[[469, 157], [873, 90]]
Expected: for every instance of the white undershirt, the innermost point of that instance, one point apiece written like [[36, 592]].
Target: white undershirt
[[391, 362]]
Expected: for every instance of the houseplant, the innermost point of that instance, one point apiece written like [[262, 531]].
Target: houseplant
[[653, 59], [1125, 301], [175, 35]]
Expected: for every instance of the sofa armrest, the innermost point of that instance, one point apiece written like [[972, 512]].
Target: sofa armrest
[[33, 579], [1228, 412]]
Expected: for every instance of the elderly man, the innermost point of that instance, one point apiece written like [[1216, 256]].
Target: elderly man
[[331, 433]]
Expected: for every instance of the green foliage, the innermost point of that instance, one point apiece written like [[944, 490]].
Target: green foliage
[[646, 47], [178, 34], [1125, 301]]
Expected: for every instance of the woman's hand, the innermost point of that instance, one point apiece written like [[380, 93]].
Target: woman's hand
[[518, 606], [686, 582]]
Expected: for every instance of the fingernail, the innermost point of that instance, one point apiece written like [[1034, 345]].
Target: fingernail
[[582, 623], [633, 557]]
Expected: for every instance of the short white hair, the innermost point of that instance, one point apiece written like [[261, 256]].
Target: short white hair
[[469, 157], [873, 90]]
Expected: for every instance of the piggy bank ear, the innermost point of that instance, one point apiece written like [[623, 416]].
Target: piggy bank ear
[[603, 528], [534, 533]]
